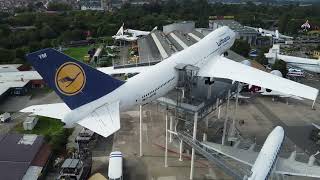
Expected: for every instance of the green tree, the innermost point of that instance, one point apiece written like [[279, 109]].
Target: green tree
[[261, 58], [7, 56], [21, 52], [59, 6], [47, 32], [241, 47], [281, 66]]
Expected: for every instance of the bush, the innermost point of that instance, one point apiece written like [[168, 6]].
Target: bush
[[281, 66]]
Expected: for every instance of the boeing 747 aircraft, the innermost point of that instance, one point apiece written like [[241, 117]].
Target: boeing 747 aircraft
[[94, 99], [267, 161]]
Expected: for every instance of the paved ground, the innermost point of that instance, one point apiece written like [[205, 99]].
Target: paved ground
[[14, 104], [151, 165]]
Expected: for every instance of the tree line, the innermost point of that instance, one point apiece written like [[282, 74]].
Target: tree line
[[65, 25]]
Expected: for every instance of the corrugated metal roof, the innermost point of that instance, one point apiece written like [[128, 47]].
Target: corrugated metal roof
[[15, 158], [234, 25], [70, 163], [9, 67], [32, 173]]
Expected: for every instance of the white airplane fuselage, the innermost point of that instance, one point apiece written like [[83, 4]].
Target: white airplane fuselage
[[137, 32], [267, 157], [312, 65], [161, 78]]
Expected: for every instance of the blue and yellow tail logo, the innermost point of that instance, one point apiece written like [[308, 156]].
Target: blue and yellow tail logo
[[70, 78]]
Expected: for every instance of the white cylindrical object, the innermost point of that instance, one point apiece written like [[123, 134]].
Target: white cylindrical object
[[171, 126], [140, 136], [194, 138], [226, 120], [166, 149], [180, 150]]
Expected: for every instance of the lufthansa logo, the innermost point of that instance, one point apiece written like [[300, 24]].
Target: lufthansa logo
[[70, 78]]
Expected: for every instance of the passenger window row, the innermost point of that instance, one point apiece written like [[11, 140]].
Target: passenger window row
[[158, 88]]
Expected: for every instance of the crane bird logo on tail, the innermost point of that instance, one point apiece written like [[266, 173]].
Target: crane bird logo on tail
[[70, 78]]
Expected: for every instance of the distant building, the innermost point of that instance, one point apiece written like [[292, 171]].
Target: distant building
[[241, 31], [23, 156], [92, 4], [14, 85], [184, 27], [316, 54]]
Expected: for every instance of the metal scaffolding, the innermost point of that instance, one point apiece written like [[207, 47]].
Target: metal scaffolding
[[188, 109]]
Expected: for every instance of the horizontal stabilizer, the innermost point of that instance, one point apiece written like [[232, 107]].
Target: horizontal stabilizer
[[56, 111], [104, 121]]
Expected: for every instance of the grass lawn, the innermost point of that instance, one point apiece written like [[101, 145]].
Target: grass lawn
[[52, 130], [78, 52], [45, 126]]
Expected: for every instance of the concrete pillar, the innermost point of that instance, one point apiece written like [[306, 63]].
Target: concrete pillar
[[171, 129], [209, 90], [226, 119], [313, 105], [207, 122], [194, 138], [166, 149], [219, 110], [204, 139], [233, 127], [180, 150], [140, 131]]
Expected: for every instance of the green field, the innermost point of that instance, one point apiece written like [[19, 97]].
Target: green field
[[78, 52], [45, 126]]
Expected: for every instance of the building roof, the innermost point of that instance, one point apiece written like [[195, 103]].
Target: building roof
[[32, 173], [9, 67], [234, 25], [70, 163], [4, 86], [15, 79], [42, 156], [16, 154]]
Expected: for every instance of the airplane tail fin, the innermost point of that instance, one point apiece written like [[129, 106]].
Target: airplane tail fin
[[273, 52], [277, 34], [155, 28], [75, 82], [120, 31]]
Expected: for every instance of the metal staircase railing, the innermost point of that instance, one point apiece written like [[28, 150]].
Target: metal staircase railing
[[210, 155]]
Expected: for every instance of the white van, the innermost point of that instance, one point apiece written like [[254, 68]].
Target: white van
[[115, 166]]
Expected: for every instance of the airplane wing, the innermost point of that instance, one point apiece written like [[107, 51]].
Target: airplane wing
[[282, 166], [245, 156], [112, 70], [104, 120], [221, 67], [275, 93], [293, 167]]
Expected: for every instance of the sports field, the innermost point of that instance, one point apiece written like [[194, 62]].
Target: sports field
[[78, 52]]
